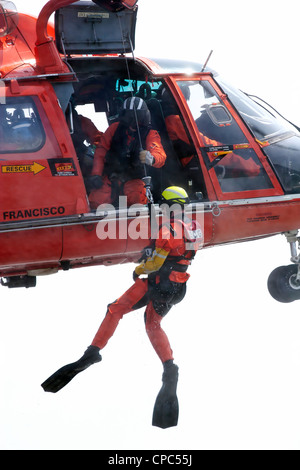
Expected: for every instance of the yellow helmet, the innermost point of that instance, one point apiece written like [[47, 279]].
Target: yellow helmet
[[175, 195]]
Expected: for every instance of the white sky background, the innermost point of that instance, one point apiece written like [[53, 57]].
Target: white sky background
[[237, 348]]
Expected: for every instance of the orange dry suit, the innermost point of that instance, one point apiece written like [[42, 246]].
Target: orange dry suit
[[179, 138], [89, 128], [165, 286], [231, 162], [85, 130], [117, 161]]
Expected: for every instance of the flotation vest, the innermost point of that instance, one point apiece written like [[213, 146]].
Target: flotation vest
[[182, 249]]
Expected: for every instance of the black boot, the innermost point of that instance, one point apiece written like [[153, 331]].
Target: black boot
[[91, 356], [65, 374], [166, 408]]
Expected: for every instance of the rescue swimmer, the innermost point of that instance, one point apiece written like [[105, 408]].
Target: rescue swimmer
[[165, 267]]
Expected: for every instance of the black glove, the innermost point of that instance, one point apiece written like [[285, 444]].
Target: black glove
[[135, 276], [93, 182], [146, 253]]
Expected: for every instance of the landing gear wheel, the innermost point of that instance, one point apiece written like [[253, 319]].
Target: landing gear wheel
[[283, 284]]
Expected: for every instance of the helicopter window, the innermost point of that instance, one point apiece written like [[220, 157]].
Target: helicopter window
[[20, 126], [98, 118], [241, 170], [213, 120], [219, 114], [265, 123], [280, 139], [236, 170], [140, 88], [284, 157]]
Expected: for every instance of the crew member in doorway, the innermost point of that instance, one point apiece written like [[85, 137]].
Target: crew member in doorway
[[181, 143], [126, 151], [86, 138]]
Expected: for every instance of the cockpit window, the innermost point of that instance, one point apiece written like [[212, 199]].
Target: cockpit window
[[20, 126], [145, 90], [266, 124], [229, 154], [280, 140]]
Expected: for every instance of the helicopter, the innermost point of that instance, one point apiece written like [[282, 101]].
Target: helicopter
[[243, 169]]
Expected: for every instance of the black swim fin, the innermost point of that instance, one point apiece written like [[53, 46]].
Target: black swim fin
[[65, 374], [166, 408]]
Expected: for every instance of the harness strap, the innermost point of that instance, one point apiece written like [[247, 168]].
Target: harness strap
[[122, 158]]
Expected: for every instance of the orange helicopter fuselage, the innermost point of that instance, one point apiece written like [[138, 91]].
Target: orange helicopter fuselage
[[238, 187]]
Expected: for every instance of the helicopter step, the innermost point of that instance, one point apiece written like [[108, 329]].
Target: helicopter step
[[284, 281], [18, 281]]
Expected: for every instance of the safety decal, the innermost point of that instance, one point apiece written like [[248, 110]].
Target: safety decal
[[225, 148], [27, 168], [62, 167], [263, 218]]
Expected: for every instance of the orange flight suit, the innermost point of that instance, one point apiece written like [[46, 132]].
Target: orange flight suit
[[90, 130], [233, 162], [133, 188]]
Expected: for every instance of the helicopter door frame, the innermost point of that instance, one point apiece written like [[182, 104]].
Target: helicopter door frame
[[206, 158], [170, 81]]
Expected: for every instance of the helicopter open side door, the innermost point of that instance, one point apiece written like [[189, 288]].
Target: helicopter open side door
[[87, 28]]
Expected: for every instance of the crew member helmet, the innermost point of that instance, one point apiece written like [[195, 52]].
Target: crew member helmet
[[135, 112], [175, 195]]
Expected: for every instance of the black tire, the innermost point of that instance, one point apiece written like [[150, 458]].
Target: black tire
[[282, 284]]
